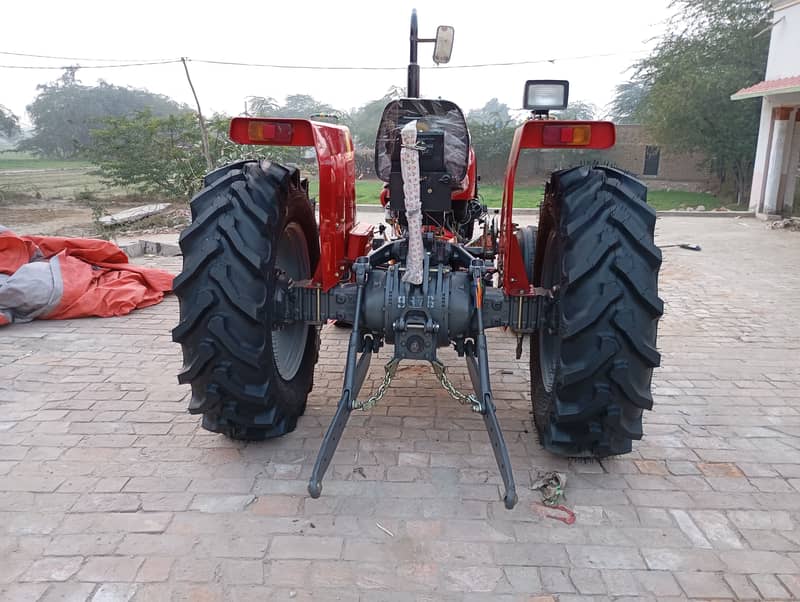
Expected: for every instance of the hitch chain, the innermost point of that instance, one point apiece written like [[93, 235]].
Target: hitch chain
[[441, 374], [438, 368], [390, 370]]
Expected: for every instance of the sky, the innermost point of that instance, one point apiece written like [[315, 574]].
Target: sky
[[343, 33]]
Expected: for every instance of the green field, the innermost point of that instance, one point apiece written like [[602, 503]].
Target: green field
[[22, 174], [53, 184], [666, 200], [368, 193], [26, 174], [12, 160]]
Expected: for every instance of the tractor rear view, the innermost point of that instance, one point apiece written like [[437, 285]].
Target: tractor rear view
[[261, 276]]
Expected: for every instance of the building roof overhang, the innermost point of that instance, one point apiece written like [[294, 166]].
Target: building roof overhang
[[770, 87]]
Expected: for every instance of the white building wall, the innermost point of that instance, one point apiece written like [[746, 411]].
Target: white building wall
[[791, 182], [784, 49], [784, 61]]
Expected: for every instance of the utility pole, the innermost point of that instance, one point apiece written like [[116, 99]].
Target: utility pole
[[203, 130]]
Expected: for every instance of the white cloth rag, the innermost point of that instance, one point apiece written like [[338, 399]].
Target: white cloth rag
[[409, 167]]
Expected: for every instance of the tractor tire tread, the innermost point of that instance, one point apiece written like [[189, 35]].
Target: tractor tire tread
[[608, 308], [225, 289]]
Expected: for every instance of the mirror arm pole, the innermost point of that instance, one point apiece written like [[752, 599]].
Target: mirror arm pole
[[412, 90]]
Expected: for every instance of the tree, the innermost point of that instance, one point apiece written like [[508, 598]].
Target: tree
[[9, 123], [628, 100], [296, 105], [492, 145], [163, 155], [491, 131], [712, 49], [578, 110], [64, 113], [303, 105], [364, 121], [149, 153], [262, 106], [492, 113]]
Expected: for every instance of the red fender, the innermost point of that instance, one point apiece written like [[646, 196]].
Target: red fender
[[538, 133], [337, 185]]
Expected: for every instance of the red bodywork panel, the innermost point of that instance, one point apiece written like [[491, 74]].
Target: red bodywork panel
[[470, 190], [337, 185], [359, 241], [531, 134]]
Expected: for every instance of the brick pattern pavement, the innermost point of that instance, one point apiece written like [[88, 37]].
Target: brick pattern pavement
[[110, 491]]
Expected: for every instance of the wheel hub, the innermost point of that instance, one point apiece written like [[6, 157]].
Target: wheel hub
[[289, 340]]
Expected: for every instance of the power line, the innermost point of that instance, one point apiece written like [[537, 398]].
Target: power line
[[298, 67], [75, 58], [304, 67], [64, 67], [539, 61], [403, 68]]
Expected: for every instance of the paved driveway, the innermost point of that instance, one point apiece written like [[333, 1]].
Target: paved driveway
[[110, 491]]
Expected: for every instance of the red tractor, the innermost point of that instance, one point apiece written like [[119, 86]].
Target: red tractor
[[261, 276]]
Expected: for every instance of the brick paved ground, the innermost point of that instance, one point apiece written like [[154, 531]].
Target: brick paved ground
[[109, 491]]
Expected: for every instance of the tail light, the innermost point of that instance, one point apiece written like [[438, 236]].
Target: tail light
[[567, 135], [245, 130], [541, 133]]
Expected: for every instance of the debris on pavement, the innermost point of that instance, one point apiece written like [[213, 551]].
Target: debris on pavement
[[134, 214], [568, 516], [384, 529], [790, 223], [683, 245], [147, 247], [550, 486]]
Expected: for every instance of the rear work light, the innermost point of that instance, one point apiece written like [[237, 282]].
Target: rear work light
[[567, 135], [546, 94]]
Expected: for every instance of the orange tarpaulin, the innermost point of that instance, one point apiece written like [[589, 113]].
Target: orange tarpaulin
[[58, 278]]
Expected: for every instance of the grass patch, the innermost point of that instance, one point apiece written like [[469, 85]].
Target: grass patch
[[666, 200], [368, 193], [525, 197], [76, 178], [22, 174], [13, 160]]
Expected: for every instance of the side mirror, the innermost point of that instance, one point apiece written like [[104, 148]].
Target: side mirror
[[443, 47], [546, 94]]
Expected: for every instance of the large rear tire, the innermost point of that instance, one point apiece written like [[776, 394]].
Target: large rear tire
[[250, 377], [592, 360]]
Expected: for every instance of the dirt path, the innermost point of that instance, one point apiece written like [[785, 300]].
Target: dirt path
[[54, 216], [62, 217]]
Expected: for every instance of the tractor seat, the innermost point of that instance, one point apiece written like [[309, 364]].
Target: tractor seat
[[443, 139]]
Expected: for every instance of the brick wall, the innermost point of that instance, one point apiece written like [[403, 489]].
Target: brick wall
[[679, 171], [629, 154]]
